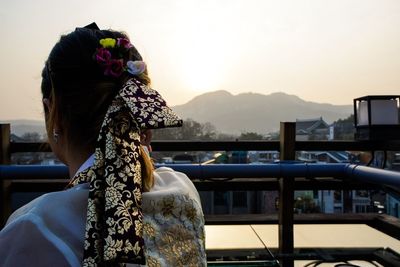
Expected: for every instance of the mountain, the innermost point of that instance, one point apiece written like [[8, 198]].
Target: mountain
[[251, 112], [19, 127], [247, 112]]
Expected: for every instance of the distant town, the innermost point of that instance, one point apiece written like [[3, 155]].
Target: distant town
[[266, 202]]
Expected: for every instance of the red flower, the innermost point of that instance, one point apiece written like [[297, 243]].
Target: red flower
[[124, 42], [103, 56], [114, 68]]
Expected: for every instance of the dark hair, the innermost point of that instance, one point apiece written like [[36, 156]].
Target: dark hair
[[76, 86]]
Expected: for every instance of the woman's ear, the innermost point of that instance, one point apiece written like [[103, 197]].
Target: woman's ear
[[46, 104], [145, 137]]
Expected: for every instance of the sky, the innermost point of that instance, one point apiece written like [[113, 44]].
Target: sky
[[322, 51]]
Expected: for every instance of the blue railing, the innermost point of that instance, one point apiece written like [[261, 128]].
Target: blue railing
[[343, 171], [282, 175]]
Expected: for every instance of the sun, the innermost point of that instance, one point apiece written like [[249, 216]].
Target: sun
[[201, 63], [200, 71], [201, 52]]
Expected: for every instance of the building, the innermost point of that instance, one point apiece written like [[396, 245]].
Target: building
[[312, 129], [233, 202], [323, 156]]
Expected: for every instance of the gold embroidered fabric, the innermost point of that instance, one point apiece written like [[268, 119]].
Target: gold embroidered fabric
[[114, 224], [174, 231]]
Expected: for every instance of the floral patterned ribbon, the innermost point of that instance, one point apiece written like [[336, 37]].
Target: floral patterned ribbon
[[114, 223]]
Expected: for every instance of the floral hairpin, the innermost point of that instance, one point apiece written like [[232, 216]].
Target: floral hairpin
[[110, 57]]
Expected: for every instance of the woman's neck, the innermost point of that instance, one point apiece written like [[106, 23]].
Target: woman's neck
[[75, 159]]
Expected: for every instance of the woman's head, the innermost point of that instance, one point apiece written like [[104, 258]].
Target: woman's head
[[76, 91], [97, 100]]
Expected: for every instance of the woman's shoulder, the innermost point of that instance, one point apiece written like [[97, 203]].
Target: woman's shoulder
[[170, 175], [54, 223], [52, 205], [167, 178], [168, 182]]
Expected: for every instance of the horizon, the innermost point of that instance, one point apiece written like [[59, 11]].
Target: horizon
[[321, 51], [247, 105], [203, 94]]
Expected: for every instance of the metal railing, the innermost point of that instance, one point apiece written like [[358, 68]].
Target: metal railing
[[286, 177]]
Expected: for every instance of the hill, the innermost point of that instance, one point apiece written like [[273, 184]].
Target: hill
[[247, 112], [251, 112], [19, 127]]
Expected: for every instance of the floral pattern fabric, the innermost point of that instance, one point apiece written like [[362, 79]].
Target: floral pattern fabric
[[173, 224], [174, 232], [114, 223]]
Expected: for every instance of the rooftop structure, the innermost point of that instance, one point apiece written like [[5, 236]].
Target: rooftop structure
[[262, 239], [311, 129]]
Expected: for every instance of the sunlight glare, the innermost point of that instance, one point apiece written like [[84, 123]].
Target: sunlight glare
[[201, 68], [203, 50]]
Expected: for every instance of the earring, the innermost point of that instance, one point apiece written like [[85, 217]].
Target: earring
[[55, 136]]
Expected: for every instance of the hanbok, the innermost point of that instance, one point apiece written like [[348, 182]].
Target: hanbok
[[50, 230]]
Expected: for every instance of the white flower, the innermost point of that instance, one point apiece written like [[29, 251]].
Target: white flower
[[135, 67]]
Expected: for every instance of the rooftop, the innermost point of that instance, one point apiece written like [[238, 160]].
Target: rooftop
[[263, 239]]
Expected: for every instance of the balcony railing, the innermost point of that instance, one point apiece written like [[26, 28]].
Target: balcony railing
[[286, 177]]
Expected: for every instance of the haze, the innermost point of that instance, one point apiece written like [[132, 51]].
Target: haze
[[322, 51]]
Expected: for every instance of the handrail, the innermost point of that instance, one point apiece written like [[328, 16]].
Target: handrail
[[284, 171], [390, 145], [230, 171], [374, 175], [194, 171]]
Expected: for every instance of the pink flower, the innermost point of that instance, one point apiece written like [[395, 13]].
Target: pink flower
[[103, 56], [114, 68], [124, 42]]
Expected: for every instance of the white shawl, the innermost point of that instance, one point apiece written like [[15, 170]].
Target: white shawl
[[49, 231]]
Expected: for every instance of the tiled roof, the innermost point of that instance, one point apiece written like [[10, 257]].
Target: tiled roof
[[309, 124]]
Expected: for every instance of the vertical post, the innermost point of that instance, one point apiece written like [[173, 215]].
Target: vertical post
[[347, 201], [286, 195], [5, 158]]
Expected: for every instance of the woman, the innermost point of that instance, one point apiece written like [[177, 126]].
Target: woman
[[99, 110]]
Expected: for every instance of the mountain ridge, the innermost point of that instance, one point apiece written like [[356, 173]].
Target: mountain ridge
[[234, 114], [255, 112], [21, 126]]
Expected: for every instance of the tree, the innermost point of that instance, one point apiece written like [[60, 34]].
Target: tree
[[250, 136], [190, 130], [209, 132], [273, 136], [31, 137], [193, 130], [306, 204], [344, 128], [225, 137]]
